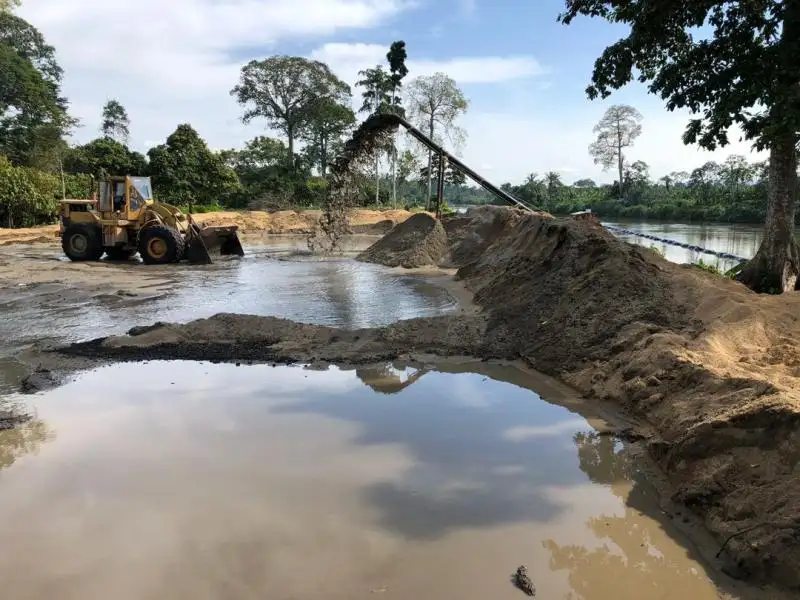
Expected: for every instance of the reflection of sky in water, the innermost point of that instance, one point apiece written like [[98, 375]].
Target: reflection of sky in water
[[739, 240], [339, 292], [450, 454]]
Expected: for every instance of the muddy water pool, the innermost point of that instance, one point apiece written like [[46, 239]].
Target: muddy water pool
[[71, 302], [197, 480]]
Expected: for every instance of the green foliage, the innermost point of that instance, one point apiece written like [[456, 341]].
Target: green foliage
[[378, 86], [116, 124], [617, 130], [288, 91], [29, 197], [324, 132], [32, 113], [186, 172], [104, 156]]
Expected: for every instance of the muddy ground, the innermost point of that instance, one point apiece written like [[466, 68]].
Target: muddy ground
[[708, 371]]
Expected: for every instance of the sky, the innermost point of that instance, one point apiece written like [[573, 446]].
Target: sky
[[175, 61]]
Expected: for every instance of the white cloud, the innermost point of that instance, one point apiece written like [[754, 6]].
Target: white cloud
[[347, 59], [468, 6], [558, 140]]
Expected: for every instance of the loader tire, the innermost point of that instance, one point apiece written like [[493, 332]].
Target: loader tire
[[160, 245], [82, 242], [117, 253]]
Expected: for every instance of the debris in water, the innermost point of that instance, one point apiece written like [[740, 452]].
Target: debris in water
[[523, 581]]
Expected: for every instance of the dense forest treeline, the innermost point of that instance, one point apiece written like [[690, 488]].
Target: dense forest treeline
[[38, 166]]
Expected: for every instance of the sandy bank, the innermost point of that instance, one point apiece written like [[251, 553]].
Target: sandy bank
[[279, 222], [710, 369]]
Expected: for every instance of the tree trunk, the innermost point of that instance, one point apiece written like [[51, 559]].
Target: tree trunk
[[377, 178], [290, 139], [394, 173], [430, 168], [620, 160], [323, 159], [775, 267]]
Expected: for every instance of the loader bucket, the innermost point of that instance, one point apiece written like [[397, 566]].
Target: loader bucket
[[203, 242]]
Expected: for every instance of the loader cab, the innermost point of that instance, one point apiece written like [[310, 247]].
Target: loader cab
[[125, 197]]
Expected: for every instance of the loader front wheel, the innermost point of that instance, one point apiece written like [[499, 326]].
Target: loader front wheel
[[159, 245], [82, 242]]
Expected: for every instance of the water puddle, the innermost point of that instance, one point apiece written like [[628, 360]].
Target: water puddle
[[275, 278], [202, 481]]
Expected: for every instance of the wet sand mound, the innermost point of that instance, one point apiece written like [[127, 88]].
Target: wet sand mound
[[710, 370], [470, 235], [420, 241]]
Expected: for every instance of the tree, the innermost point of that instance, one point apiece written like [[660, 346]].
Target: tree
[[736, 172], [436, 102], [263, 172], [584, 183], [745, 72], [185, 171], [377, 98], [116, 124], [617, 130], [324, 130], [452, 176], [7, 5], [679, 178], [104, 156], [286, 91], [33, 117], [407, 165], [396, 57], [553, 181]]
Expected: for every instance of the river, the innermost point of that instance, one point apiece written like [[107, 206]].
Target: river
[[738, 240]]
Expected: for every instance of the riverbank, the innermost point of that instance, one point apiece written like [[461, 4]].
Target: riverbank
[[253, 222], [709, 371]]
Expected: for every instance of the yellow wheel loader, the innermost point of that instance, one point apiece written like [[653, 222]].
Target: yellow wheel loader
[[124, 219]]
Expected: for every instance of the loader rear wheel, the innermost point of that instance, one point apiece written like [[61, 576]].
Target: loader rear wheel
[[159, 245], [82, 242], [117, 253]]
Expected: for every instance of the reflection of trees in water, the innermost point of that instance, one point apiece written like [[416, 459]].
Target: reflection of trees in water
[[627, 565], [384, 379], [602, 458], [23, 439]]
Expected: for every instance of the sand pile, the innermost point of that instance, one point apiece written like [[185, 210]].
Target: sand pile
[[470, 235], [710, 370], [417, 242]]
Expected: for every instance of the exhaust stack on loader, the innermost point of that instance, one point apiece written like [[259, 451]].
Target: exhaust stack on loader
[[126, 219]]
